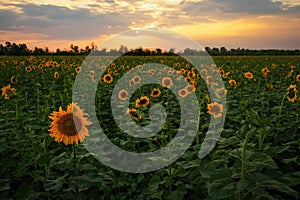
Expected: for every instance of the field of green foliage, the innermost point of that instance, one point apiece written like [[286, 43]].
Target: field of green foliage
[[257, 155]]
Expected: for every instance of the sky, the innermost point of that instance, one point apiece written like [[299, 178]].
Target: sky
[[252, 24]]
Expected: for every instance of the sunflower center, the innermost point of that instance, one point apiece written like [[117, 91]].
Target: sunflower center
[[67, 125], [143, 101], [215, 109]]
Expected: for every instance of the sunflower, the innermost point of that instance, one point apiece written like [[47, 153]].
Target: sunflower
[[191, 74], [133, 114], [123, 94], [78, 69], [56, 75], [265, 70], [290, 73], [18, 67], [232, 83], [167, 82], [298, 78], [150, 72], [221, 71], [292, 93], [270, 86], [28, 69], [215, 109], [190, 88], [248, 75], [69, 126], [209, 80], [13, 79], [183, 92], [136, 80], [155, 92], [108, 78], [7, 90], [142, 102]]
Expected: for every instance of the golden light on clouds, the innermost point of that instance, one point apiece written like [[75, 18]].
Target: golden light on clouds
[[81, 22]]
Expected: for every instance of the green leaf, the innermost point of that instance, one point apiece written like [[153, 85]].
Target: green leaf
[[259, 160], [55, 185], [4, 184], [275, 185]]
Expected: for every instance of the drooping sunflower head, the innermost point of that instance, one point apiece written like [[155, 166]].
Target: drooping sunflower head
[[215, 109], [248, 75], [7, 91], [232, 83], [69, 126], [142, 102], [133, 114], [13, 79], [155, 92], [298, 78]]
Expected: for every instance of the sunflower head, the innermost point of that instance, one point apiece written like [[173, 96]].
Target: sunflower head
[[69, 126], [292, 93], [142, 102], [298, 78], [215, 109], [108, 78], [136, 80], [232, 83], [123, 94], [56, 75], [155, 92], [167, 82], [183, 92], [265, 70], [7, 91], [270, 86], [13, 79], [133, 114], [248, 75], [28, 69]]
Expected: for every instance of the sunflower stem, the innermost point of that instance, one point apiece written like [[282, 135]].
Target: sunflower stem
[[75, 159], [279, 116]]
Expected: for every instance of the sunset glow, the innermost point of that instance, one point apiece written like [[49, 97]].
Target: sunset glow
[[255, 24]]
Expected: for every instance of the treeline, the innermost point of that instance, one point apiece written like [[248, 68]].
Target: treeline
[[21, 49]]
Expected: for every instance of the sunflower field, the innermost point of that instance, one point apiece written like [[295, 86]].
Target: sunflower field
[[257, 155]]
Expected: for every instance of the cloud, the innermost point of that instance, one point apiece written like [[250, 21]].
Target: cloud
[[233, 8], [61, 22]]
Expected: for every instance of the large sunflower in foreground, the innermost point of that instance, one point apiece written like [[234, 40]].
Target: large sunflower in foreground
[[65, 124]]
